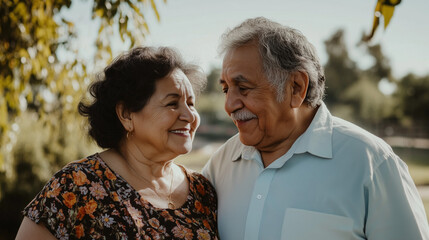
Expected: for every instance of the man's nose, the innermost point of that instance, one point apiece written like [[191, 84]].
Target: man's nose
[[233, 101]]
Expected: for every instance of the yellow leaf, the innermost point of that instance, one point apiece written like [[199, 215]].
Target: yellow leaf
[[146, 26], [3, 113], [387, 12], [101, 28], [23, 53], [1, 168], [136, 9], [152, 2], [99, 12]]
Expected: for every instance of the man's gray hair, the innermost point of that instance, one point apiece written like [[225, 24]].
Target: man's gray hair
[[283, 50]]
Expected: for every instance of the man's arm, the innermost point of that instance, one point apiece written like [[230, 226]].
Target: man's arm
[[207, 171], [394, 207]]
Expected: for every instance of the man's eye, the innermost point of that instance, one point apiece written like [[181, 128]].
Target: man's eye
[[224, 90], [243, 89]]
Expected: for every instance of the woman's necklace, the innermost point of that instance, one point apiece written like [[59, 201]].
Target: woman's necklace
[[135, 173], [170, 203]]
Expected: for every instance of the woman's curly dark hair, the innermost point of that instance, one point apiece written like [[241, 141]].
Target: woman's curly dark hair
[[130, 79]]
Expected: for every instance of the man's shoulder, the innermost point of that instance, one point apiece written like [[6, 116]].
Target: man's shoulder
[[227, 153], [221, 160], [230, 147], [348, 134]]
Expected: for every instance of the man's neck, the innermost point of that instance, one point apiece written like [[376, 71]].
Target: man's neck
[[280, 147]]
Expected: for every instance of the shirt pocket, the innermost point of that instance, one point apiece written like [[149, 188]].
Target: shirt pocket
[[302, 224]]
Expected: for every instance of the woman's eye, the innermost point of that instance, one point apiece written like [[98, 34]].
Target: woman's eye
[[172, 104]]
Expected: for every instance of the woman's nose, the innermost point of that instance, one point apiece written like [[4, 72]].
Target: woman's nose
[[187, 114]]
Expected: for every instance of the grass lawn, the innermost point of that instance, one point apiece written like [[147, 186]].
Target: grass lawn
[[417, 161], [426, 203]]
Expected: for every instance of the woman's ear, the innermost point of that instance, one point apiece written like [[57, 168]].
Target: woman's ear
[[124, 115], [299, 85]]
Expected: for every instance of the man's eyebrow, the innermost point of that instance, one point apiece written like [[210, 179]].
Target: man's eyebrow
[[240, 78], [237, 79]]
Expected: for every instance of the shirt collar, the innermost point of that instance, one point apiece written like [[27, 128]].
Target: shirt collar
[[316, 140], [244, 151]]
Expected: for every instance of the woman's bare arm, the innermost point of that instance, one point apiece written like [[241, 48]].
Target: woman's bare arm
[[31, 230]]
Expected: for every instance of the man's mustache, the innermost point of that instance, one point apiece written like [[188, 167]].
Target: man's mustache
[[242, 115]]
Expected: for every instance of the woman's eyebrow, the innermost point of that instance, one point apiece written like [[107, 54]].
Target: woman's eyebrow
[[172, 95]]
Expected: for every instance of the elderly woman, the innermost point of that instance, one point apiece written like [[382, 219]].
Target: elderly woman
[[143, 113]]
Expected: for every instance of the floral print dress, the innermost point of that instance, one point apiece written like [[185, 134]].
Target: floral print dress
[[87, 200]]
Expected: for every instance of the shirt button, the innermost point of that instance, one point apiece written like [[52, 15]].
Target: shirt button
[[259, 196]]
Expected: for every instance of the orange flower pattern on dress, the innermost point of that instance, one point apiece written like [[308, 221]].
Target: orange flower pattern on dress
[[87, 200], [203, 234], [55, 189], [199, 206], [109, 174], [80, 178], [69, 199], [90, 207], [181, 232], [200, 189], [79, 231]]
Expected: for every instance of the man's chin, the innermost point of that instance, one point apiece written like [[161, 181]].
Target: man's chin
[[247, 139]]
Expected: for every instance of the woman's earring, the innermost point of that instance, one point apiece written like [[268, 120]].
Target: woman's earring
[[129, 132]]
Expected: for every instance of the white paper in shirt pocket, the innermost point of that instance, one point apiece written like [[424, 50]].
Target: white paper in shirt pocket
[[302, 224]]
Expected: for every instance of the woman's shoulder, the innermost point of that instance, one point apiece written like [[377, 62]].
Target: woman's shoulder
[[198, 182], [197, 176], [192, 174], [81, 171], [87, 164]]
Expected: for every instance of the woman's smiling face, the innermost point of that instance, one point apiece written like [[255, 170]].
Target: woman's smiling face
[[168, 122]]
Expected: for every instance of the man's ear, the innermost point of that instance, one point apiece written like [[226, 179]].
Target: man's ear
[[124, 115], [298, 81]]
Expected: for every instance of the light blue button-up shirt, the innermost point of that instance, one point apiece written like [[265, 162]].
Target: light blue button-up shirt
[[337, 181]]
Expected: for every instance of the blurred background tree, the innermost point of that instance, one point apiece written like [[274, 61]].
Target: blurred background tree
[[39, 90], [413, 103]]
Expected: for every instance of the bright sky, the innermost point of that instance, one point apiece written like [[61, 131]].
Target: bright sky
[[194, 27]]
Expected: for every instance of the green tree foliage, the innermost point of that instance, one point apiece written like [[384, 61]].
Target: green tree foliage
[[31, 76], [340, 70], [41, 149], [352, 92], [412, 93], [381, 68], [39, 127], [210, 104], [213, 78]]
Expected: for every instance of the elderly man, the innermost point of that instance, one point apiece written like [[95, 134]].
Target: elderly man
[[294, 171]]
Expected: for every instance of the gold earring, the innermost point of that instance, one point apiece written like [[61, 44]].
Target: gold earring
[[128, 134]]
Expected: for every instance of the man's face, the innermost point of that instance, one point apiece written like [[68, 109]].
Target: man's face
[[250, 100]]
